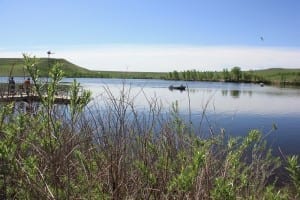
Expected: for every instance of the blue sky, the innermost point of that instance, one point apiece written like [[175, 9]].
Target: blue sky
[[155, 35]]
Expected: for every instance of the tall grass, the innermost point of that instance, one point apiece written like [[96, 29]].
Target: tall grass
[[116, 152]]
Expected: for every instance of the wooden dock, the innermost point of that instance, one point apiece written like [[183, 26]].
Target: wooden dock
[[32, 98]]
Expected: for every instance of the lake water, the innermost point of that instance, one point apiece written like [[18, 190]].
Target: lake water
[[236, 107]]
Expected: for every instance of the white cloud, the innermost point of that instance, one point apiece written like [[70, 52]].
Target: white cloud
[[169, 58]]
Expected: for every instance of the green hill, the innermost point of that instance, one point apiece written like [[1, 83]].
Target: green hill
[[15, 67], [278, 76]]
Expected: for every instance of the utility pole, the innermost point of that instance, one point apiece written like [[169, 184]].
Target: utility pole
[[49, 53]]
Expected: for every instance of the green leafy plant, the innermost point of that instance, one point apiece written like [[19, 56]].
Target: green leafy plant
[[293, 168]]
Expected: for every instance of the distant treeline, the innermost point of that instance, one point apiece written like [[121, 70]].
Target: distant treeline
[[235, 74], [270, 76]]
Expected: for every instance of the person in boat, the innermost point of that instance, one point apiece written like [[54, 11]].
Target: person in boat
[[11, 85], [27, 86], [180, 87]]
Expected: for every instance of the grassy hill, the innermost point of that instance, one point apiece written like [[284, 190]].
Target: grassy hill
[[280, 74], [15, 66]]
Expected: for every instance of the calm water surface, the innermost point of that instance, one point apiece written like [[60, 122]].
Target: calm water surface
[[235, 107]]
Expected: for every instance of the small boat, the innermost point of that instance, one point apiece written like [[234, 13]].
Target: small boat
[[180, 87]]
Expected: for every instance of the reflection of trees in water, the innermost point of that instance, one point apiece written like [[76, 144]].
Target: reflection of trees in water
[[248, 92], [232, 93], [196, 90], [224, 92], [236, 93]]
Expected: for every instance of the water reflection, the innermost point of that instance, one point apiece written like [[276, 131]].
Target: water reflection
[[224, 92], [236, 93], [222, 97]]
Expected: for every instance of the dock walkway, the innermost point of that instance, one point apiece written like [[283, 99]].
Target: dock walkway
[[31, 98]]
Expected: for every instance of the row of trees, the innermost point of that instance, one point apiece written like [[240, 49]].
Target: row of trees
[[234, 75]]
